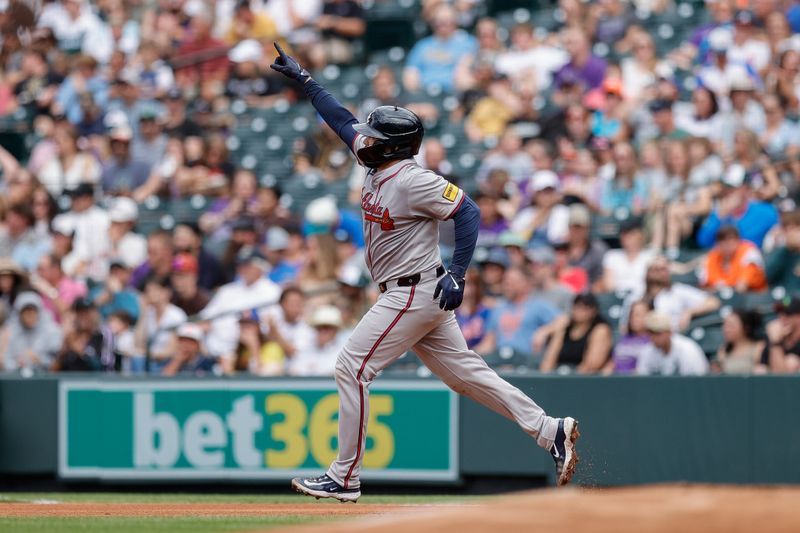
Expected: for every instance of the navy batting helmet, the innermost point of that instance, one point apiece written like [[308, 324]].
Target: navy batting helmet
[[398, 132]]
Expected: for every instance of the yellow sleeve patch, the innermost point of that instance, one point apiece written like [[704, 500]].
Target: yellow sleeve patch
[[450, 192]]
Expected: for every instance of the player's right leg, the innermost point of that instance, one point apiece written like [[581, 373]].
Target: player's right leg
[[399, 318], [445, 352]]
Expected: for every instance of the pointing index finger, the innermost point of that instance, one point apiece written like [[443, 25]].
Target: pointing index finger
[[280, 50]]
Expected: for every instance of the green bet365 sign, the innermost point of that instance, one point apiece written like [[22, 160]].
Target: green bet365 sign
[[248, 430]]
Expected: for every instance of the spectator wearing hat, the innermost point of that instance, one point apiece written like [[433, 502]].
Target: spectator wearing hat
[[748, 47], [13, 281], [783, 335], [121, 173], [783, 263], [610, 117], [177, 123], [664, 121], [492, 264], [87, 346], [323, 216], [189, 358], [249, 294], [284, 253], [126, 245], [752, 218], [248, 80], [188, 239], [669, 353], [149, 145], [733, 263], [580, 341], [746, 111], [515, 320], [160, 253], [114, 295], [473, 314], [591, 70], [545, 279], [30, 338], [18, 240], [546, 221], [319, 357], [624, 269], [584, 251], [58, 290], [679, 301], [187, 294], [155, 330], [433, 60], [243, 236]]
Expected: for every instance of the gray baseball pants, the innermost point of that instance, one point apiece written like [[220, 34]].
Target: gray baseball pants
[[407, 318]]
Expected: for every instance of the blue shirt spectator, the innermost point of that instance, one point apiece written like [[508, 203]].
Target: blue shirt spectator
[[85, 80], [753, 221], [514, 321], [432, 61]]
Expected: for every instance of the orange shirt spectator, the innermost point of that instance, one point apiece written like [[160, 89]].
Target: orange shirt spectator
[[734, 263]]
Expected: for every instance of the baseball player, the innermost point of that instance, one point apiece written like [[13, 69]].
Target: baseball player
[[402, 205]]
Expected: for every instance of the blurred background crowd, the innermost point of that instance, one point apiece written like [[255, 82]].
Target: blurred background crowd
[[170, 206]]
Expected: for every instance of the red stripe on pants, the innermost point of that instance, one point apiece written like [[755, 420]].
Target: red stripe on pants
[[361, 385]]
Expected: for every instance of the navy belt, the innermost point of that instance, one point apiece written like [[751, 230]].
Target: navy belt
[[408, 281]]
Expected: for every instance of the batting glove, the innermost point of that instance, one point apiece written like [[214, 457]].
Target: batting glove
[[289, 67], [451, 287]]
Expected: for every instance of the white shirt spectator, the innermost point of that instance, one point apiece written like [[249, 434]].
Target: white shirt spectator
[[160, 331], [90, 243], [628, 274], [317, 360], [131, 249], [224, 310], [685, 358], [673, 301], [299, 334], [542, 60], [84, 168], [305, 10], [557, 224]]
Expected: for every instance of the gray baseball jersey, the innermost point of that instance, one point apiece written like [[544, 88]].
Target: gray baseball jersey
[[402, 206]]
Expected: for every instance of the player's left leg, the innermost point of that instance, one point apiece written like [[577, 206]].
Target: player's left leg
[[445, 352]]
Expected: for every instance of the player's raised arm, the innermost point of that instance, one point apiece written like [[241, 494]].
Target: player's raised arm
[[335, 114]]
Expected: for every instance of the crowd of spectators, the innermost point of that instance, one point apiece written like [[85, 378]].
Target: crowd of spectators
[[690, 152]]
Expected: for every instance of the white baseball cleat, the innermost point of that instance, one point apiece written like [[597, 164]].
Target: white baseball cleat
[[325, 487], [563, 450]]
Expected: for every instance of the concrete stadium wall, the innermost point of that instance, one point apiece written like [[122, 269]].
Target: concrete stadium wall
[[634, 430]]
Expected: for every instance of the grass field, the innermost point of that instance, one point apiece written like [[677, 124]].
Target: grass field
[[95, 512]]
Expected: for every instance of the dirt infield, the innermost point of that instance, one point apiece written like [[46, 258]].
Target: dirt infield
[[654, 509], [303, 508]]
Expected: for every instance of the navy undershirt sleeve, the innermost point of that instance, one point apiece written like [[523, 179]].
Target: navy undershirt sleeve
[[467, 220], [332, 112]]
